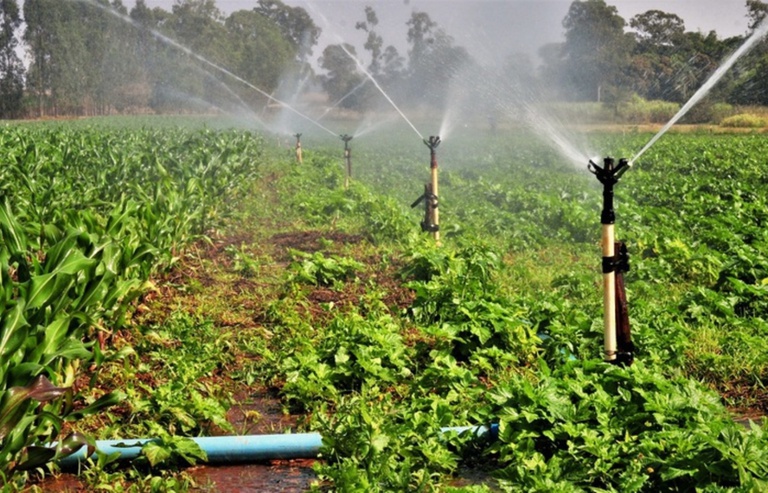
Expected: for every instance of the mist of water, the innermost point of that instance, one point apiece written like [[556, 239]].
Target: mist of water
[[170, 42], [546, 128], [342, 99], [366, 72], [290, 88], [373, 122], [707, 87]]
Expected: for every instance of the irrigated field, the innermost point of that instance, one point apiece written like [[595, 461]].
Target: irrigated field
[[238, 292]]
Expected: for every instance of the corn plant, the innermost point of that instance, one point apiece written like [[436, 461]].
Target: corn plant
[[86, 217]]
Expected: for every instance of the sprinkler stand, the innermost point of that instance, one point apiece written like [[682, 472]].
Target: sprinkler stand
[[609, 175], [348, 158], [298, 148], [432, 216]]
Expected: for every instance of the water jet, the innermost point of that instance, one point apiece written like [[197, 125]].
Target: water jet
[[170, 42]]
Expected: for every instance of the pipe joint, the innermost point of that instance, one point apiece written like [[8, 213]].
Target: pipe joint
[[617, 263]]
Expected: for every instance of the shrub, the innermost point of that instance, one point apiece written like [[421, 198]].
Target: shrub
[[639, 110], [743, 120]]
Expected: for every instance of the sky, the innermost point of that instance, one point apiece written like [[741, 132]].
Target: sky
[[491, 29]]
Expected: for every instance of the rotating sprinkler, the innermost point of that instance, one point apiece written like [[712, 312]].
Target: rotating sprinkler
[[618, 341], [431, 222], [298, 148], [348, 158]]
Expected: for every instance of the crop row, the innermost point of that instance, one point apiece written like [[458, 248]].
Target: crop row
[[86, 217]]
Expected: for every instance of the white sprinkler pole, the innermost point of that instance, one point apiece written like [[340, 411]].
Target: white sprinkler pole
[[347, 159], [432, 143], [299, 157], [435, 194], [609, 175], [609, 294]]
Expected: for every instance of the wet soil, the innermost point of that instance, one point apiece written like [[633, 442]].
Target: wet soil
[[276, 476], [257, 409]]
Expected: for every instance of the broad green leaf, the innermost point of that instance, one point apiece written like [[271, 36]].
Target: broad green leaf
[[41, 290], [55, 336], [14, 330], [75, 262], [36, 457], [74, 442], [12, 405], [155, 453], [105, 401], [13, 233]]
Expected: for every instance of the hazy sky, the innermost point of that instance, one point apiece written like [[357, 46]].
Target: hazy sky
[[492, 28]]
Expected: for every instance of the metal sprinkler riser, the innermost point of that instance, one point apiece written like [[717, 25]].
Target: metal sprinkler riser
[[431, 222], [299, 157], [617, 339], [348, 158]]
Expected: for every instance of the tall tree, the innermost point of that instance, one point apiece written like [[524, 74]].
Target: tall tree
[[657, 30], [757, 11], [262, 54], [374, 43], [58, 37], [596, 48], [11, 68], [654, 64], [433, 59], [342, 75], [386, 64], [38, 40], [296, 24]]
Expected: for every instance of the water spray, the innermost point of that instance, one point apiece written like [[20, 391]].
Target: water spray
[[362, 68], [431, 222], [298, 148], [347, 158], [170, 42], [618, 342]]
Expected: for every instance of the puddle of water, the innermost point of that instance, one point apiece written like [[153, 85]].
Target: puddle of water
[[278, 476]]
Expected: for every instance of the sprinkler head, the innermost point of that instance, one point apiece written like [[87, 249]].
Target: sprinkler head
[[346, 138], [609, 171], [298, 136], [433, 142]]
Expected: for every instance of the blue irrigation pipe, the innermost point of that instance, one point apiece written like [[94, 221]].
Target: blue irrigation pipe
[[246, 448]]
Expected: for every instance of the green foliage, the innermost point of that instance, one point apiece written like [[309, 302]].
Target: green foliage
[[638, 110], [743, 120], [180, 399], [453, 341], [351, 352], [314, 192], [371, 444], [76, 267], [321, 270], [165, 448], [454, 290], [595, 426]]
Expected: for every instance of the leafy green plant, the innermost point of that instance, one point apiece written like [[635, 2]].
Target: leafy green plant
[[69, 270], [320, 270], [353, 350], [593, 425], [743, 120], [457, 294], [371, 444]]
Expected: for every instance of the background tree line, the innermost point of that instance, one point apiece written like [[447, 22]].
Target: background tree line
[[84, 60]]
